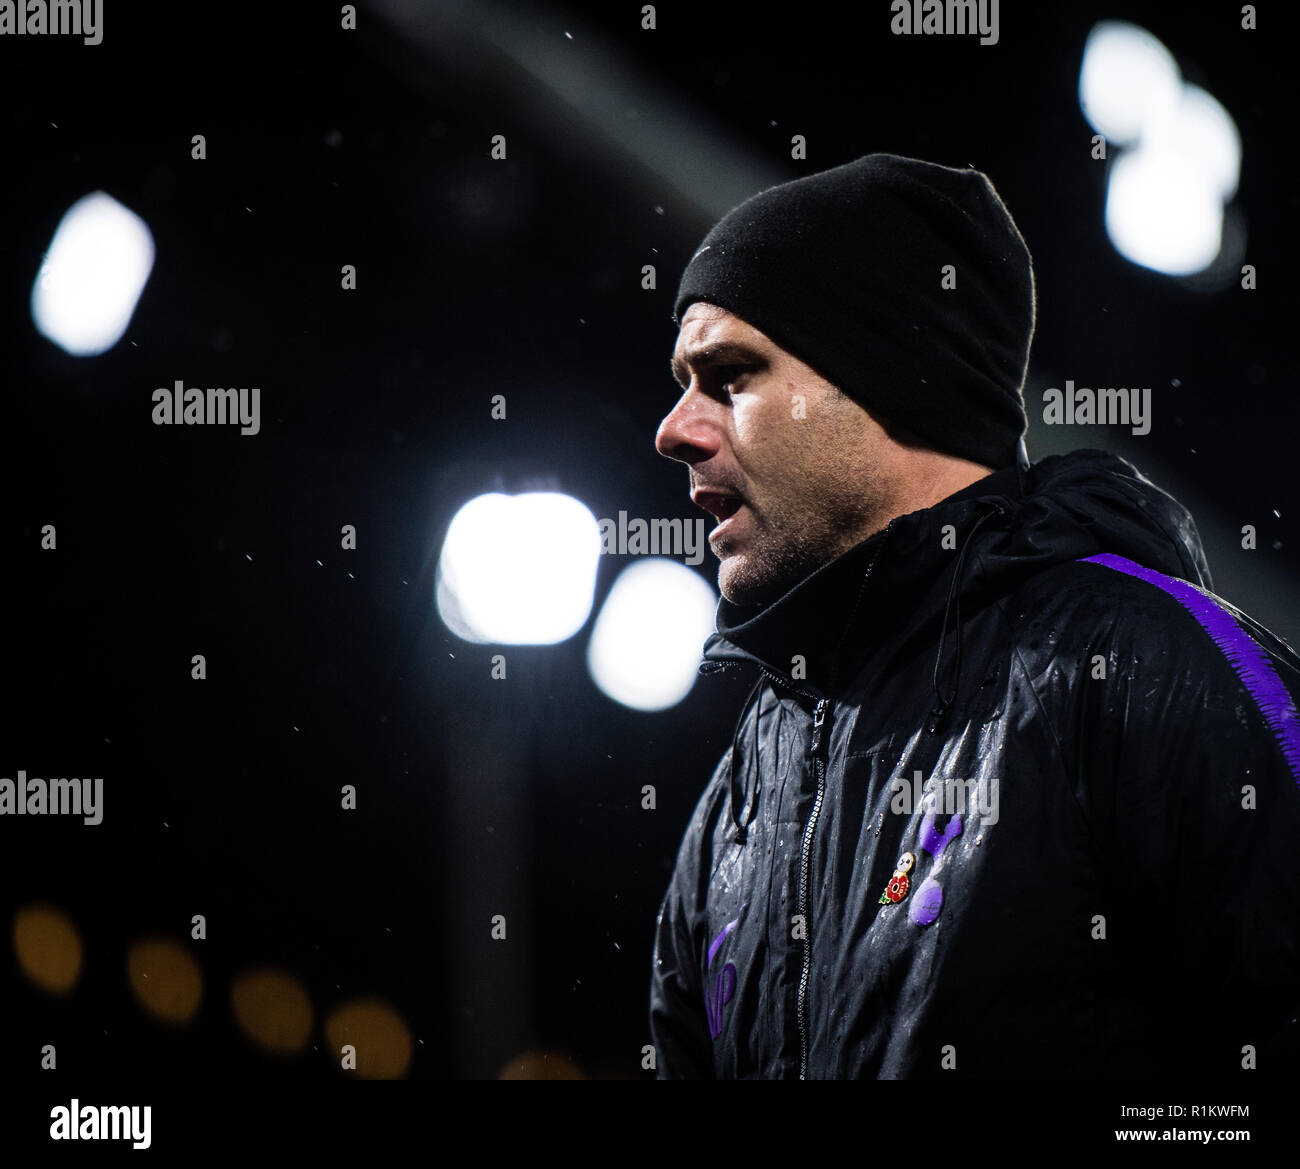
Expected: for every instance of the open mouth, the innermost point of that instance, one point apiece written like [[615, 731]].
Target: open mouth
[[719, 504], [725, 520]]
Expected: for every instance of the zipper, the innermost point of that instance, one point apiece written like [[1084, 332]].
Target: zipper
[[819, 746], [819, 750], [819, 741]]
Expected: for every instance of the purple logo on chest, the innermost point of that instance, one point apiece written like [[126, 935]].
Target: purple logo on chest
[[929, 897], [718, 995]]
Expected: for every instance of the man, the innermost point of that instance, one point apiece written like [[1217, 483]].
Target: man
[[1014, 794]]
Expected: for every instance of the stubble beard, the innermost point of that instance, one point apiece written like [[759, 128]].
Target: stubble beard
[[784, 548], [772, 561]]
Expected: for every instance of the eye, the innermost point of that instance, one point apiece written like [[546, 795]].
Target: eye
[[726, 376]]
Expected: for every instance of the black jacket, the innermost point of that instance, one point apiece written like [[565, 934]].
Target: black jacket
[[1105, 864]]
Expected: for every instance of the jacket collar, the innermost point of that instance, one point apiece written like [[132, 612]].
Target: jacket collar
[[827, 624]]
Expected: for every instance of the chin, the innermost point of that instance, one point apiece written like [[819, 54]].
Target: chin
[[727, 584], [738, 586]]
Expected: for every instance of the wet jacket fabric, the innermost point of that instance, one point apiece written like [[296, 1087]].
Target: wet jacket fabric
[[1014, 795]]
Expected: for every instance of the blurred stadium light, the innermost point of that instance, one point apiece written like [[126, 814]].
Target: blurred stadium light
[[1127, 78], [645, 646], [1165, 194], [1161, 213], [518, 569], [93, 274]]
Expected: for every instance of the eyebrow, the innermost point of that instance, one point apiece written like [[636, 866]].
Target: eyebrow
[[715, 353]]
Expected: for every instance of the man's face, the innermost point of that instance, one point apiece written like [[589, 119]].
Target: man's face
[[796, 472]]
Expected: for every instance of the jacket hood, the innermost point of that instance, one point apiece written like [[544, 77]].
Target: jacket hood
[[1092, 501]]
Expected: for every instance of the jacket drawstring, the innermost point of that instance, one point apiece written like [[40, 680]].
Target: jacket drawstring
[[741, 817], [944, 702]]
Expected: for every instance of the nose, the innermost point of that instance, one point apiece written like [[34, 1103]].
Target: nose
[[690, 433]]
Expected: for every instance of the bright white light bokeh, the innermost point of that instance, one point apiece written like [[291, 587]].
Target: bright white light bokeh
[[1163, 211], [1201, 130], [518, 569], [93, 274], [1127, 80], [1165, 194], [646, 643]]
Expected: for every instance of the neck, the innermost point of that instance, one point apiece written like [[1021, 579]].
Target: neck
[[930, 478]]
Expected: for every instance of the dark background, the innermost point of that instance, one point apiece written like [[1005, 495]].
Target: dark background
[[477, 277]]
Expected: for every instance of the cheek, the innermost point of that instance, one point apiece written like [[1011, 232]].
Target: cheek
[[765, 433]]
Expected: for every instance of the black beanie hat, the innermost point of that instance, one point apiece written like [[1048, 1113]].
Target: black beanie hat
[[846, 270]]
